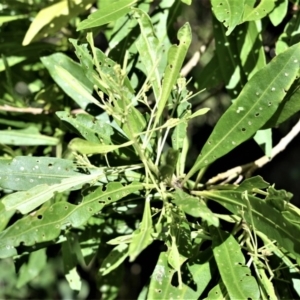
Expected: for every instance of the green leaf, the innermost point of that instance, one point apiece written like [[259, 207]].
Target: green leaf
[[86, 147], [290, 35], [257, 102], [195, 207], [263, 138], [231, 264], [265, 217], [11, 61], [228, 12], [196, 275], [148, 47], [252, 183], [228, 56], [117, 256], [287, 108], [92, 129], [5, 216], [250, 47], [108, 11], [46, 223], [37, 261], [26, 137], [70, 263], [176, 56], [31, 199], [25, 172], [167, 169], [52, 18], [218, 292], [142, 237], [279, 12], [6, 19], [254, 12], [210, 76], [63, 70]]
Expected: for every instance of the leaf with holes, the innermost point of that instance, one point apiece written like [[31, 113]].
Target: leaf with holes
[[218, 292], [231, 264], [142, 237], [108, 12], [253, 12], [110, 68], [25, 172], [257, 102], [46, 223], [265, 217], [92, 129], [287, 108], [116, 257], [228, 12], [196, 274], [195, 207], [26, 201]]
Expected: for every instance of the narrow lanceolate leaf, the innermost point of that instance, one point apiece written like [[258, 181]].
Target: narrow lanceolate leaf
[[117, 255], [176, 56], [71, 78], [256, 104], [26, 137], [279, 12], [147, 45], [46, 223], [228, 12], [199, 270], [254, 12], [92, 129], [25, 172], [29, 200], [86, 147], [287, 108], [231, 264], [54, 17], [109, 11], [290, 35], [142, 237], [265, 218]]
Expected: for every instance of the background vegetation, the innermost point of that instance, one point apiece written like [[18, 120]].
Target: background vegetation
[[132, 134]]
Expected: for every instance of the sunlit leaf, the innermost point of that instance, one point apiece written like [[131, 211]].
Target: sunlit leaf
[[257, 102], [228, 12], [109, 11], [235, 275]]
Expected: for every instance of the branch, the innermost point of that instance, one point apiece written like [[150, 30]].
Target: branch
[[249, 168], [192, 62], [34, 110], [30, 110]]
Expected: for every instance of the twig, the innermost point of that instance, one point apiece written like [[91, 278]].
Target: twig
[[30, 110], [35, 110], [249, 168], [192, 62]]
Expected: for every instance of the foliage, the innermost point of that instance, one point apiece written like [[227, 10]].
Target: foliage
[[95, 165]]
